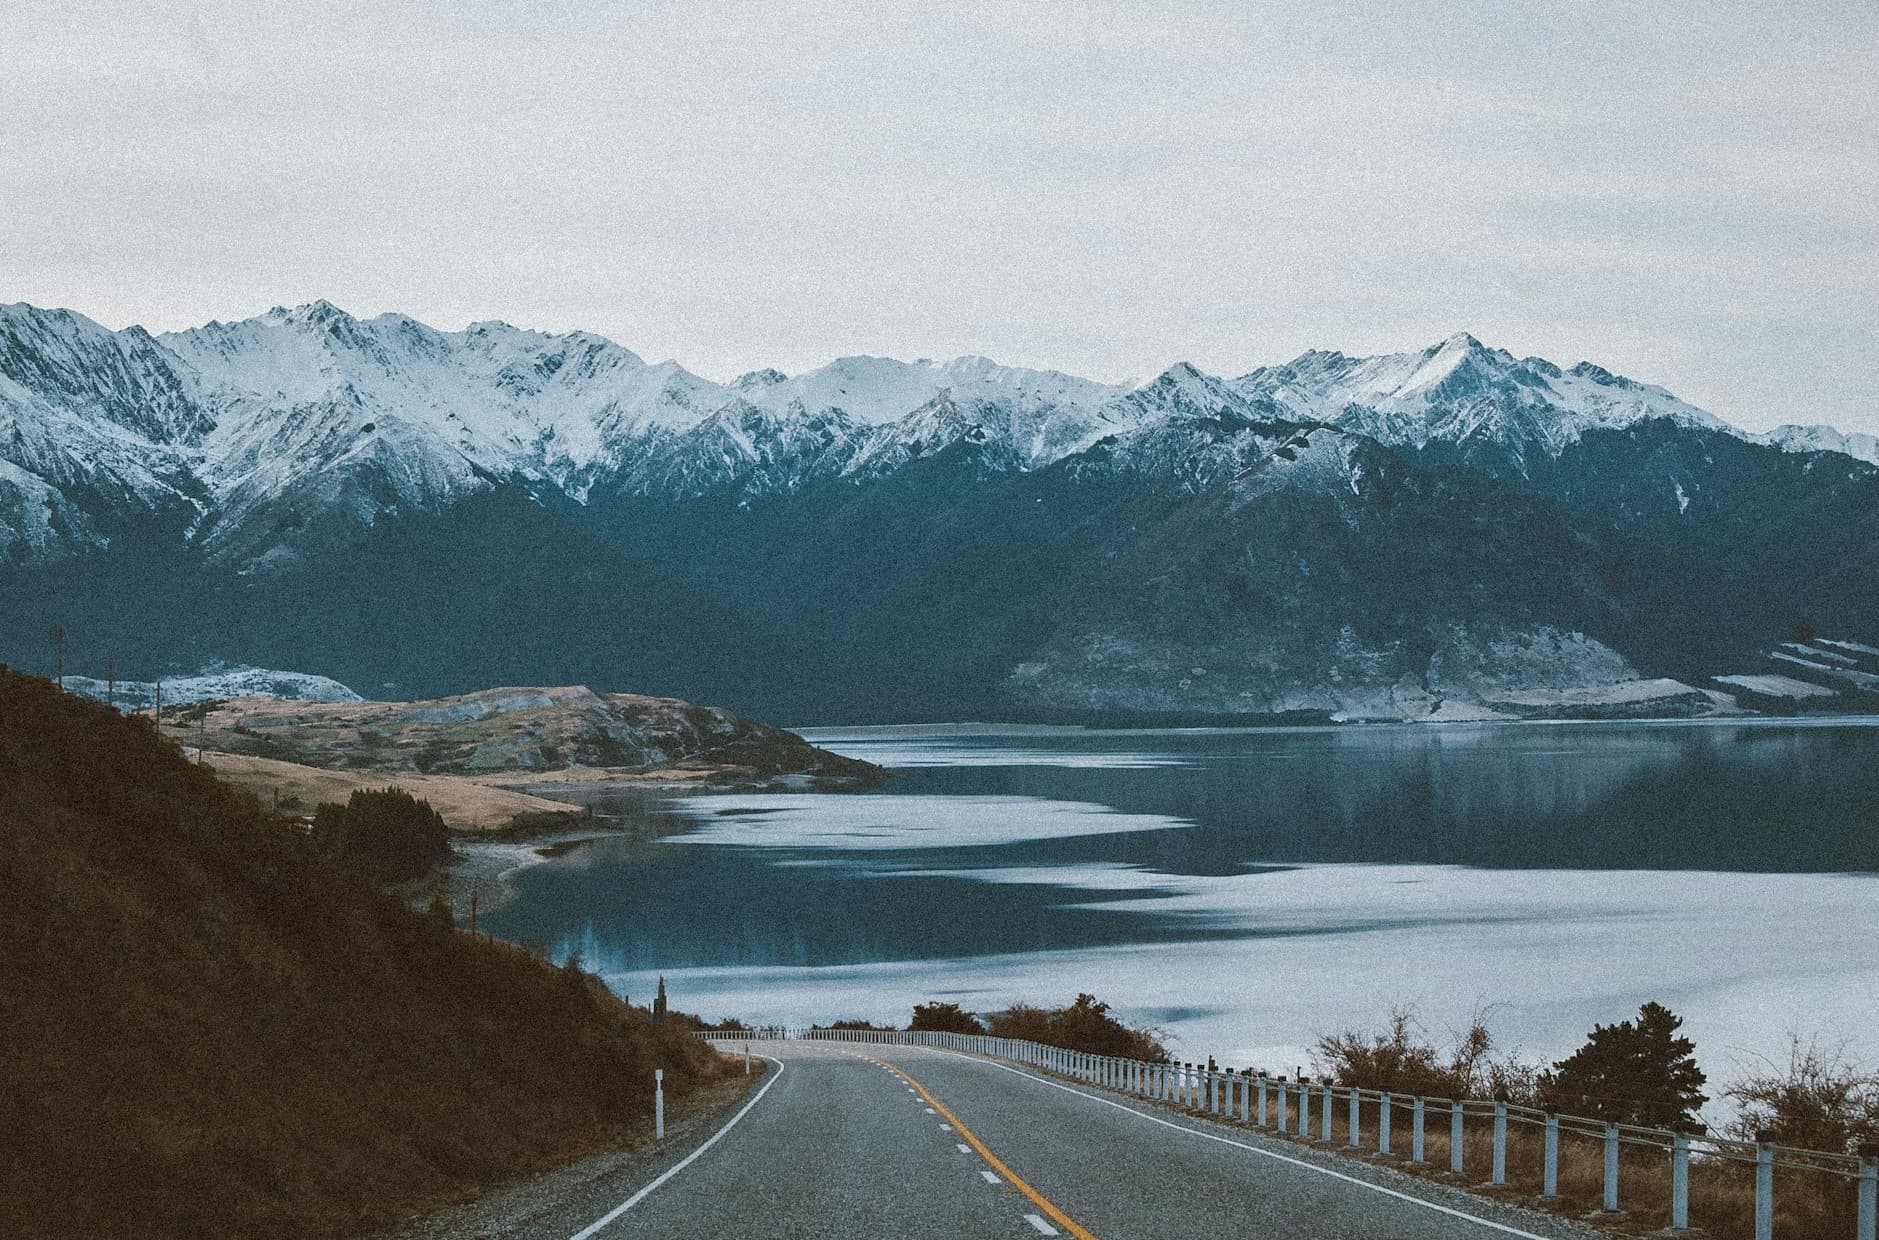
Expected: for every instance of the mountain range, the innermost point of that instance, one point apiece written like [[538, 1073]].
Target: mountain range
[[1453, 532]]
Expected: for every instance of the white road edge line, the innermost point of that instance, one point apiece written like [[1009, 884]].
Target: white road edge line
[[594, 1227], [1043, 1228], [1253, 1149]]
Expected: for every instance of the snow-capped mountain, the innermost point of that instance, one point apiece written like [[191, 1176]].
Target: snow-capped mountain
[[413, 510], [1461, 393], [96, 428], [294, 427], [1793, 438]]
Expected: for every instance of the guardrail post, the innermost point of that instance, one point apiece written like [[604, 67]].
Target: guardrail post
[[1356, 1118], [1262, 1100], [1282, 1119], [1549, 1176], [1500, 1143], [1383, 1124], [1611, 1168], [1867, 1227], [1324, 1112], [1416, 1131], [1454, 1136], [1764, 1187], [1680, 1180], [1304, 1107], [1213, 1091], [658, 1104]]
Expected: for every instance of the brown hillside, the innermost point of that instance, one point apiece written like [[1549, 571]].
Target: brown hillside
[[204, 1030], [518, 731]]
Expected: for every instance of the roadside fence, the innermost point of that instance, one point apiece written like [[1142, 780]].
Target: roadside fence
[[1594, 1154]]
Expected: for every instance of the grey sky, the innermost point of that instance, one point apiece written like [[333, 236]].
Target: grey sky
[[1683, 192]]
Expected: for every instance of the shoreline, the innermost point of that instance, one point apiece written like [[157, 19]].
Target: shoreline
[[821, 734], [485, 862]]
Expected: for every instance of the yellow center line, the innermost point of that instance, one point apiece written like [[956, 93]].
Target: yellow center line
[[1011, 1177]]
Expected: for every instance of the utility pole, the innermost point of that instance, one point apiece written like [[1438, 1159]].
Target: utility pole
[[58, 648]]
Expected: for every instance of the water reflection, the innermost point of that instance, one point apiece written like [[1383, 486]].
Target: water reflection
[[1751, 796], [906, 872]]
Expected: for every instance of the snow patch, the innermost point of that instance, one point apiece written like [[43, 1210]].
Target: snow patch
[[216, 684], [1769, 685]]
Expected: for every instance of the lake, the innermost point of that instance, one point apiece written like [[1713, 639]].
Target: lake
[[1251, 889]]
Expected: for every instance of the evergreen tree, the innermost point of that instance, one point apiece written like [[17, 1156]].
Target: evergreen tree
[[1631, 1073], [658, 1002]]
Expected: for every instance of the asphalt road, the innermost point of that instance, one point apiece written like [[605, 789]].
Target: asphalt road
[[876, 1141]]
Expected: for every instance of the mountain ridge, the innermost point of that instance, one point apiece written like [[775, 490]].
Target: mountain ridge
[[388, 413], [418, 512]]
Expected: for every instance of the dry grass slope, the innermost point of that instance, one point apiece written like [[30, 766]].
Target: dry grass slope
[[207, 1031]]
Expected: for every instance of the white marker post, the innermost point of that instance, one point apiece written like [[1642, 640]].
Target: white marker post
[[746, 1059], [658, 1104]]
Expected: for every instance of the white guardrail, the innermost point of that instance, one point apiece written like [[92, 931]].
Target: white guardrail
[[1302, 1106]]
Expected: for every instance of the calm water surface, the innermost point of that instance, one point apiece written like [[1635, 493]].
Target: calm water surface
[[1249, 890]]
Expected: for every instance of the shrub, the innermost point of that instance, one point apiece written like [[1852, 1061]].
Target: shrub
[[1820, 1102], [1393, 1059], [1085, 1025], [1398, 1059], [944, 1018], [1631, 1073], [385, 832]]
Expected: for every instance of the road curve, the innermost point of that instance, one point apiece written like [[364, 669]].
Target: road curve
[[873, 1141]]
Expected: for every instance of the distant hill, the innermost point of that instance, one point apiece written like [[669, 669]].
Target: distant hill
[[205, 1030], [518, 731]]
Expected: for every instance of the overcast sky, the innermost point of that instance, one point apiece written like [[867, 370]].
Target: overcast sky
[[1683, 192]]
